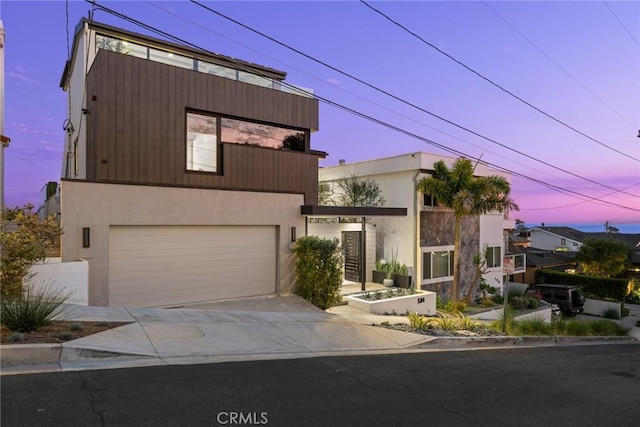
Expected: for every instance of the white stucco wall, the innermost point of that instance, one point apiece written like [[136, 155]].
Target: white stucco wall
[[67, 277], [99, 206], [491, 233], [397, 177], [541, 239]]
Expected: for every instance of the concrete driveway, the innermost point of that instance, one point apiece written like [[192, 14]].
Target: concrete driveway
[[248, 329]]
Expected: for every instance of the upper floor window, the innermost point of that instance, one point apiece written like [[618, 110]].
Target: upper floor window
[[563, 241], [261, 135], [429, 200], [204, 132], [202, 146], [494, 256]]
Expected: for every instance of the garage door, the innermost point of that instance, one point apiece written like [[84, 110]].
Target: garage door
[[172, 265]]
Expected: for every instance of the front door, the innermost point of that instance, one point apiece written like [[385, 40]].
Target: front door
[[351, 245]]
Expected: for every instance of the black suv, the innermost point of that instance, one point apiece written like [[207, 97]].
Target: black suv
[[568, 298]]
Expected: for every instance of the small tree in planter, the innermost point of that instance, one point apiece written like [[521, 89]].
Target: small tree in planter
[[319, 270]]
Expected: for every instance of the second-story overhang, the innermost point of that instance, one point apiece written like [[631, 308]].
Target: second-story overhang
[[350, 211]]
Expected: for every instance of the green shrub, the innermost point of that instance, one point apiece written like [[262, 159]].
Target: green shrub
[[603, 327], [455, 306], [509, 325], [592, 287], [417, 321], [486, 302], [64, 336], [576, 328], [533, 303], [35, 308], [16, 337], [25, 239], [444, 323], [319, 270], [533, 326], [518, 303], [611, 313], [75, 327], [466, 323], [498, 299]]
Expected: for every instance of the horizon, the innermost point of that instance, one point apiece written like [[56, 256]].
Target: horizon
[[524, 46]]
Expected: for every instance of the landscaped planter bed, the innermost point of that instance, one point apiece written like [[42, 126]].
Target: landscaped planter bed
[[387, 302]]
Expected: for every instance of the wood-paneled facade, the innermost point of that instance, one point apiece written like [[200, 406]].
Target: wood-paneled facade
[[136, 128]]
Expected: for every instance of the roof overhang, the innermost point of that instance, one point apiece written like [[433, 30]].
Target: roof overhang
[[344, 211]]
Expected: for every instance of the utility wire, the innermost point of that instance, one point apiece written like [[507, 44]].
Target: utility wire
[[405, 101], [564, 70], [621, 23], [496, 84], [323, 81], [243, 66]]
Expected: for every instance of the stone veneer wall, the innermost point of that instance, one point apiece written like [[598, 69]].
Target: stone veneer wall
[[436, 229]]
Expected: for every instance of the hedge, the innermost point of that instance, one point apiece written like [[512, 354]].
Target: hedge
[[592, 287]]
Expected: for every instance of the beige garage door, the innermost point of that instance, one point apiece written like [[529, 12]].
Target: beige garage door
[[172, 265]]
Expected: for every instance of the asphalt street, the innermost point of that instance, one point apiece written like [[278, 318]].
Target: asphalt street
[[597, 385]]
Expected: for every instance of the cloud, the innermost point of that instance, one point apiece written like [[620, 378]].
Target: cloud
[[37, 150], [19, 73], [23, 127], [334, 82]]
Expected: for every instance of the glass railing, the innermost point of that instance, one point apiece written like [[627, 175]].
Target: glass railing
[[165, 57]]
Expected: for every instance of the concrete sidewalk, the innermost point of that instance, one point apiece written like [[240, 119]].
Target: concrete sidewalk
[[240, 330], [251, 329]]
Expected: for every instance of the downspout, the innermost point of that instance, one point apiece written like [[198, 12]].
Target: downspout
[[416, 230]]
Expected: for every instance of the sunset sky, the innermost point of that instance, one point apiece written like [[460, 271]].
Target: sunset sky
[[578, 62]]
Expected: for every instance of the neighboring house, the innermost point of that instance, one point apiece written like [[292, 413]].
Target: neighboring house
[[183, 172], [565, 239], [50, 196], [543, 259], [423, 240]]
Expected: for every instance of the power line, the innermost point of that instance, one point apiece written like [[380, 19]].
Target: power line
[[576, 204], [403, 100], [462, 64], [209, 30], [564, 70], [243, 66], [621, 23]]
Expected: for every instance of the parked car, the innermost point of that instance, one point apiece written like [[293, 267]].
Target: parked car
[[568, 298]]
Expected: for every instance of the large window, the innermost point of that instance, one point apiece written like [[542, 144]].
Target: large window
[[261, 135], [494, 256], [437, 264], [202, 147], [203, 132]]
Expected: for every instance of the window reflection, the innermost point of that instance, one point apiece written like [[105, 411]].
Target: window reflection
[[261, 135], [201, 143]]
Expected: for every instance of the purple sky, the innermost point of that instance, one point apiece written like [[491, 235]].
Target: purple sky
[[585, 39]]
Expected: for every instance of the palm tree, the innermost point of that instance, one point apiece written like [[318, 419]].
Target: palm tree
[[467, 195]]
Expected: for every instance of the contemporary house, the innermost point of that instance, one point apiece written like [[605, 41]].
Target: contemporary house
[[423, 240], [184, 171]]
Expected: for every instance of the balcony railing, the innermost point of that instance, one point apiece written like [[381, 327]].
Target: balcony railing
[[158, 55]]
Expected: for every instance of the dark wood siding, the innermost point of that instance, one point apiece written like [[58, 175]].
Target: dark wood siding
[[137, 118]]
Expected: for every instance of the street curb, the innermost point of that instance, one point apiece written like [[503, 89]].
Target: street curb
[[39, 354], [525, 340]]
